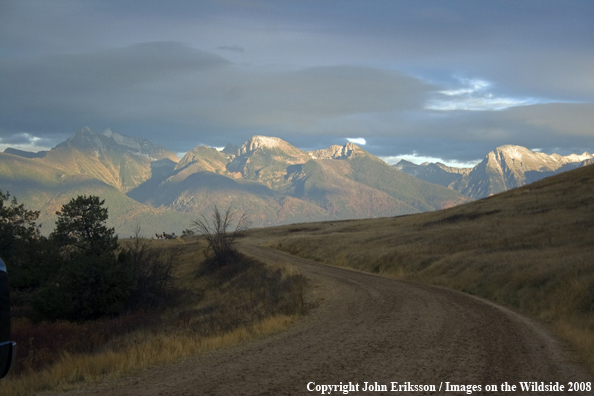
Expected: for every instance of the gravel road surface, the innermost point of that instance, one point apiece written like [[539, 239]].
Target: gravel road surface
[[370, 329]]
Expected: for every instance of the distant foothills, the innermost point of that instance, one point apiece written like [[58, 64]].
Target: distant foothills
[[268, 179]]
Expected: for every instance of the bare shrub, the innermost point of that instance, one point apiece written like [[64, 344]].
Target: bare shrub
[[221, 236]]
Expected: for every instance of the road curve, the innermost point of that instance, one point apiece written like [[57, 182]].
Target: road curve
[[371, 329]]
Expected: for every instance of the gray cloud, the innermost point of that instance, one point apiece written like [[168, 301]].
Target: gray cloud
[[313, 73], [232, 48], [560, 119], [306, 99], [193, 90], [40, 94], [467, 135]]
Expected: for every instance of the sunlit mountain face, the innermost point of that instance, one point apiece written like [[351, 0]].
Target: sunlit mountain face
[[503, 169], [270, 180]]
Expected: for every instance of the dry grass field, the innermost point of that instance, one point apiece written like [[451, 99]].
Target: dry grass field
[[209, 310], [531, 249]]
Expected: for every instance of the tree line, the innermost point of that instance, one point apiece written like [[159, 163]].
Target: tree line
[[80, 272]]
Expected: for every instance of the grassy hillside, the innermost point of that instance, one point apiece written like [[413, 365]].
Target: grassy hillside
[[41, 187], [197, 193], [329, 184], [119, 169], [530, 249], [202, 158], [421, 195]]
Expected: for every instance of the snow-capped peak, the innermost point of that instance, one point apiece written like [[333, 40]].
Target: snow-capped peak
[[265, 141], [258, 141], [515, 152]]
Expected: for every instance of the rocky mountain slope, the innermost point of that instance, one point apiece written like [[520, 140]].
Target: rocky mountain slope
[[105, 164], [267, 178], [120, 161], [335, 152], [45, 188], [503, 169], [277, 183], [433, 172]]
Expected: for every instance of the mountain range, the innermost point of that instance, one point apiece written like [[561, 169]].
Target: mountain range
[[266, 178], [502, 169], [270, 180], [106, 165]]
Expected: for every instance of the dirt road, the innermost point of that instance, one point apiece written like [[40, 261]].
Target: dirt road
[[375, 330]]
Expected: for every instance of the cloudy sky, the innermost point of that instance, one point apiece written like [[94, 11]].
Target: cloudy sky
[[448, 80]]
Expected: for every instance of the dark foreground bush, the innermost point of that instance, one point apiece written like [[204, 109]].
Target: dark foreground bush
[[150, 270], [87, 287]]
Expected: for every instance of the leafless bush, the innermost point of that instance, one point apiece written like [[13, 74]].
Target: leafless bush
[[221, 236]]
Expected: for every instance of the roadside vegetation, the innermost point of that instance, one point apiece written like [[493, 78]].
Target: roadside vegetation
[[530, 249], [92, 307]]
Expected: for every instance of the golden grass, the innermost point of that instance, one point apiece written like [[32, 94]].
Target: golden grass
[[207, 315], [531, 249], [136, 352]]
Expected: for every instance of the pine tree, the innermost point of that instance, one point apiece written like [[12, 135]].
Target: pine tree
[[81, 226]]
